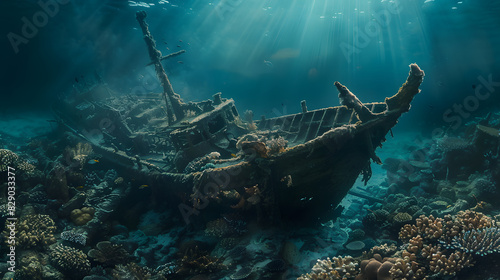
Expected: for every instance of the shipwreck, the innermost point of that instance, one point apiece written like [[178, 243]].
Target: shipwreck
[[205, 157]]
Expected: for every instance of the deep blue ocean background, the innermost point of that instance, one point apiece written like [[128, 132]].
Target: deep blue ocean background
[[267, 55]]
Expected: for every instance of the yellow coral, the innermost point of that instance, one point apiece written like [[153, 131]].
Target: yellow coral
[[82, 216], [10, 159], [34, 231]]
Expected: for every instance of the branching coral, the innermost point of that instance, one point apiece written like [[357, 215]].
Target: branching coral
[[131, 271], [465, 221], [442, 264], [33, 271], [11, 159], [78, 155], [429, 228], [34, 231], [478, 241], [406, 269], [73, 263], [332, 269], [196, 261]]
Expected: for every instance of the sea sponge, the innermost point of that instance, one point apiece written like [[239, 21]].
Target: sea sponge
[[82, 216]]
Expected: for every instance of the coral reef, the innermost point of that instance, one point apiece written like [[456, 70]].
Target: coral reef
[[74, 237], [131, 271], [34, 231], [77, 156], [478, 241], [332, 269], [276, 145], [9, 158], [82, 216], [73, 263], [109, 254], [33, 271], [196, 261], [375, 268]]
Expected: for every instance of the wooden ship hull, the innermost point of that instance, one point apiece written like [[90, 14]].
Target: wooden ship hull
[[202, 157]]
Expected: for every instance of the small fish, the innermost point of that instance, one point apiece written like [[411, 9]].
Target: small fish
[[473, 86], [180, 62], [168, 48], [189, 44], [178, 46], [143, 187], [180, 41], [233, 155], [268, 63], [448, 206], [76, 79], [165, 43], [79, 187], [93, 161]]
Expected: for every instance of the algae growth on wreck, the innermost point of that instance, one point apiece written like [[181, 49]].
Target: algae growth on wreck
[[254, 139]]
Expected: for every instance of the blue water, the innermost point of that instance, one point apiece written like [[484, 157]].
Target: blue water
[[365, 44], [267, 55]]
